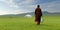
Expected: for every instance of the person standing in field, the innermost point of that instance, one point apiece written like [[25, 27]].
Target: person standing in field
[[38, 15]]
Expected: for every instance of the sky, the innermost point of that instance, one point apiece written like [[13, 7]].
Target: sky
[[27, 6]]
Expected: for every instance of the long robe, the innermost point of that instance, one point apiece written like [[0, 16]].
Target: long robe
[[38, 14]]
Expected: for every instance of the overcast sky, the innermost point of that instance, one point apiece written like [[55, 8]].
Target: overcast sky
[[25, 6]]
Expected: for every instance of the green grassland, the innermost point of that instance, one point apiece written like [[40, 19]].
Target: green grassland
[[23, 23]]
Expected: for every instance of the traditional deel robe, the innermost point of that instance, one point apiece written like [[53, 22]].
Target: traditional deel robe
[[38, 14]]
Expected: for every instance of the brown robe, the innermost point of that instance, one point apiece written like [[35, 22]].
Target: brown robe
[[38, 14]]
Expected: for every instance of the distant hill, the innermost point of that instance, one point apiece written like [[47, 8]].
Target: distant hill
[[44, 13], [32, 13]]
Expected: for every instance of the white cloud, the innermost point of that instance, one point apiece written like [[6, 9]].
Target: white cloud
[[28, 6], [26, 2], [14, 6], [7, 1], [51, 6], [11, 3], [19, 11], [2, 12]]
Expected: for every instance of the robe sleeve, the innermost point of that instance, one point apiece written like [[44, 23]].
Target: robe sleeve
[[41, 13]]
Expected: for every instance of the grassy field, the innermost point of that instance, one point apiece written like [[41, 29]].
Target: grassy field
[[22, 23]]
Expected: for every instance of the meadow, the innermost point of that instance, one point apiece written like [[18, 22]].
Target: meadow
[[23, 23]]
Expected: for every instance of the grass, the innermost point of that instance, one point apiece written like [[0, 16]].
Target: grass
[[22, 23]]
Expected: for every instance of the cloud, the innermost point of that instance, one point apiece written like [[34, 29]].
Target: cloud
[[2, 12], [7, 1], [51, 6], [25, 6], [11, 3], [26, 2]]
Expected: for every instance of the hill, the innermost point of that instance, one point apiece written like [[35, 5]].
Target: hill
[[31, 13]]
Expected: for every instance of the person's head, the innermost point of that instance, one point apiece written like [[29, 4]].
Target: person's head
[[38, 6]]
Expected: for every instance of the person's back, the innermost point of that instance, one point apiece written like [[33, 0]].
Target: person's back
[[38, 11], [38, 15]]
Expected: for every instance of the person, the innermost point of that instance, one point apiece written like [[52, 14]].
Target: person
[[38, 15]]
